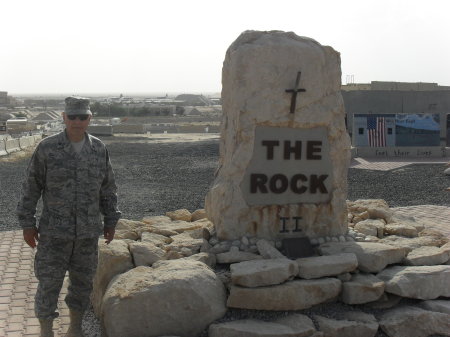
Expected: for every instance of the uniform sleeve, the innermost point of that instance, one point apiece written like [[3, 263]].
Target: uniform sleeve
[[108, 197], [32, 188]]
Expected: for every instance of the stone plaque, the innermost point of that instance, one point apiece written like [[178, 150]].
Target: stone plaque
[[284, 148], [288, 166]]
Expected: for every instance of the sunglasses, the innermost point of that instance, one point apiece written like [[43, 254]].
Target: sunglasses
[[80, 117]]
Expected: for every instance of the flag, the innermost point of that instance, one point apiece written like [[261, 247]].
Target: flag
[[376, 131]]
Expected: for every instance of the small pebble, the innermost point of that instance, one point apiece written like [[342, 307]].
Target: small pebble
[[334, 239], [245, 241], [321, 240]]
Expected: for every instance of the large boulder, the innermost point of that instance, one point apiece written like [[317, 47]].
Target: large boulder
[[292, 295], [414, 322], [176, 297], [113, 259], [421, 282], [372, 257], [256, 273], [321, 266]]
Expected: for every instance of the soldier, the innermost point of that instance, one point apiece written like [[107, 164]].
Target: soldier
[[72, 172]]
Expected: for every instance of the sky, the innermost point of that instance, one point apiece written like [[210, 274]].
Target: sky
[[176, 46]]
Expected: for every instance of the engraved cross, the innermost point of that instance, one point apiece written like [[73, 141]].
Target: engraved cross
[[294, 92]]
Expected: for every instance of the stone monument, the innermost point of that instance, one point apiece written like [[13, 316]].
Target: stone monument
[[284, 150]]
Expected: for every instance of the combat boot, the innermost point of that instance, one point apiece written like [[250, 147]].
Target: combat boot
[[76, 317], [46, 327]]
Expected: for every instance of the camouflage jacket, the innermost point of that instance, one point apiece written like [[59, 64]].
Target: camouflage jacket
[[75, 189]]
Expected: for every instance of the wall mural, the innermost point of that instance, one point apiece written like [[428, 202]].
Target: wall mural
[[396, 130]]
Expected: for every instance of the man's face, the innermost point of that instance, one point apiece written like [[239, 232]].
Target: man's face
[[76, 124]]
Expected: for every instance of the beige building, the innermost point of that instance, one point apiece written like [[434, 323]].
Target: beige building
[[394, 86]]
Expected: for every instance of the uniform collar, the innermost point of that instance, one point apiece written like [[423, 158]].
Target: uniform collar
[[64, 142]]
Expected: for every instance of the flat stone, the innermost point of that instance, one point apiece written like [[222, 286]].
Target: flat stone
[[251, 328], [265, 272], [401, 229], [331, 265], [198, 214], [372, 256], [386, 301], [156, 220], [123, 234], [146, 253], [350, 325], [373, 227], [207, 258], [267, 251], [234, 257], [421, 282], [407, 220], [129, 225], [185, 244], [292, 295], [375, 209], [412, 243], [301, 324], [437, 305], [157, 239], [362, 288], [180, 214], [414, 322], [427, 256]]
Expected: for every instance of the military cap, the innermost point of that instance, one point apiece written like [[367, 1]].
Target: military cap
[[77, 106]]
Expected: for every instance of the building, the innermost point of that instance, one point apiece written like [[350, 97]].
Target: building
[[394, 115]]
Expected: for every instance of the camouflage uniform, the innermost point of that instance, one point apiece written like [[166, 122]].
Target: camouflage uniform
[[75, 189]]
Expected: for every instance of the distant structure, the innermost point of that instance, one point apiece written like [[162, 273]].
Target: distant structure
[[394, 86], [398, 116], [6, 101], [194, 100]]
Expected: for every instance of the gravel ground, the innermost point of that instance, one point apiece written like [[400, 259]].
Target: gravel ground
[[157, 177]]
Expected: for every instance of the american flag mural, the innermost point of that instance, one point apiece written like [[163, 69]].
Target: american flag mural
[[376, 131]]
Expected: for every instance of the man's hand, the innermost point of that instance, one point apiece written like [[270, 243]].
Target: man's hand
[[31, 237], [108, 234]]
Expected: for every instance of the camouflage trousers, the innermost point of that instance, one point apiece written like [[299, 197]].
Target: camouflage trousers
[[53, 258]]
